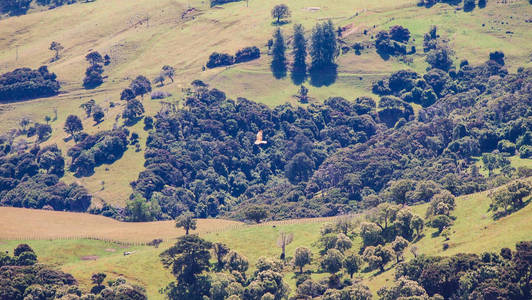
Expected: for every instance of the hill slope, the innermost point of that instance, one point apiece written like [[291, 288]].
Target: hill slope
[[142, 36], [473, 232]]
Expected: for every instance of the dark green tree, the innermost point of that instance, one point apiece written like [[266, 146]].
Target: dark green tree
[[140, 86], [278, 65], [256, 213], [352, 263], [323, 45], [279, 12], [169, 72], [97, 114], [302, 257], [187, 259], [73, 125], [300, 48]]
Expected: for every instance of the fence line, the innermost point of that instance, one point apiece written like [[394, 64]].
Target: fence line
[[201, 232]]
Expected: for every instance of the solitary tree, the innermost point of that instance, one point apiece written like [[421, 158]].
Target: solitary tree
[[302, 257], [187, 259], [186, 221], [279, 12], [323, 45], [159, 79], [343, 242], [43, 131], [73, 125], [441, 222], [127, 94], [417, 224], [169, 72], [352, 263], [98, 278], [399, 245], [256, 213], [220, 251], [57, 47], [140, 86], [332, 261], [133, 111], [279, 48], [235, 262], [283, 240], [88, 107], [300, 46], [377, 257], [94, 58], [344, 224], [23, 123], [97, 113]]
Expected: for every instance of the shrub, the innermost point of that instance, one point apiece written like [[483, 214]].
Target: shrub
[[220, 59], [400, 34], [220, 2], [94, 150], [497, 56], [469, 5], [247, 54], [525, 151], [506, 146], [160, 95]]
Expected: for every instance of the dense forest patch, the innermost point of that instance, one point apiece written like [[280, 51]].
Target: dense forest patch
[[31, 179], [337, 157]]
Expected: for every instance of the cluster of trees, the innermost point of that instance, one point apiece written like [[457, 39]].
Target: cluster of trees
[[26, 83], [437, 145], [94, 150], [468, 5], [139, 86], [91, 109], [243, 55], [15, 7], [510, 197], [469, 276], [394, 41], [21, 278], [31, 179], [323, 50], [205, 159], [196, 278], [30, 129], [93, 74], [411, 87], [220, 2], [166, 72], [21, 7]]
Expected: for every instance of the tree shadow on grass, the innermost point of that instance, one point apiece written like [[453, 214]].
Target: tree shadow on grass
[[324, 76], [281, 22], [299, 74], [500, 214], [278, 70]]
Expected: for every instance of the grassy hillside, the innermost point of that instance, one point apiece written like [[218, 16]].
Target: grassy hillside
[[474, 231], [53, 224], [142, 36]]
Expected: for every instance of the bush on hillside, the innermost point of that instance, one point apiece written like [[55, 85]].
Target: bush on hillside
[[247, 54], [94, 150], [220, 59]]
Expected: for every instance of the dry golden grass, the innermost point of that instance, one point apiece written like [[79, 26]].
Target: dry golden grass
[[21, 223]]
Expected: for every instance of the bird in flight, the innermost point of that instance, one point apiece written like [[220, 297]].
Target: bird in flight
[[259, 140]]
